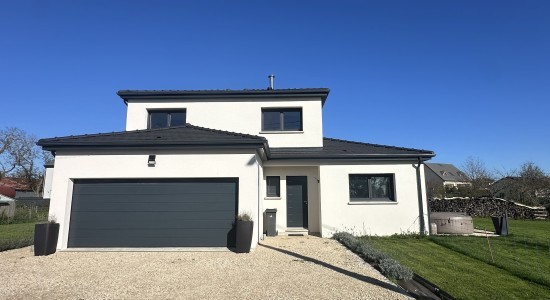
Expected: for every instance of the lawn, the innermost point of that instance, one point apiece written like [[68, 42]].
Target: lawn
[[463, 266], [13, 236]]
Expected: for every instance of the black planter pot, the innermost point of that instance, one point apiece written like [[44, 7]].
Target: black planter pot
[[244, 236], [45, 238]]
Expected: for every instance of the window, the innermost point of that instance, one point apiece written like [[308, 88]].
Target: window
[[273, 186], [371, 187], [286, 119], [166, 118]]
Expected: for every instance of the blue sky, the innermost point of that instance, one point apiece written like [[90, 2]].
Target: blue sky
[[462, 78]]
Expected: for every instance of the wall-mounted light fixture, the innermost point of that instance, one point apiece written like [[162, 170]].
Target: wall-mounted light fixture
[[151, 162]]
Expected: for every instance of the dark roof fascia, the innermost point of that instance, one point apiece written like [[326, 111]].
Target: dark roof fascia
[[393, 157], [128, 95], [130, 146]]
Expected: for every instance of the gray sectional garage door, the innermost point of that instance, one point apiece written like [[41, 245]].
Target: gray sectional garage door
[[153, 213]]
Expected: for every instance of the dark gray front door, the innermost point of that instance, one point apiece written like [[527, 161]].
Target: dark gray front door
[[153, 213], [296, 201]]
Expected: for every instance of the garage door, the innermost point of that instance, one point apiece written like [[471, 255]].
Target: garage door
[[153, 213]]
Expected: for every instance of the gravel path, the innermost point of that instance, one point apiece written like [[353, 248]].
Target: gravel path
[[281, 268]]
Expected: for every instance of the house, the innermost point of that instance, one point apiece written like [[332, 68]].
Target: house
[[190, 160], [12, 188], [445, 175]]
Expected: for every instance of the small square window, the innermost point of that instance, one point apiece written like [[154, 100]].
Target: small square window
[[282, 119], [273, 186], [371, 187]]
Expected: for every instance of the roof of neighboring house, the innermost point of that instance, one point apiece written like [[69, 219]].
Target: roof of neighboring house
[[448, 172], [342, 149], [182, 136], [9, 186], [252, 94]]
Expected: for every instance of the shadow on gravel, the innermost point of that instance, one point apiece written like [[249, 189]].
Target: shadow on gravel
[[342, 271]]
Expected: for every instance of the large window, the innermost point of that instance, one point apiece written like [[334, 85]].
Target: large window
[[371, 187], [282, 119], [273, 186], [166, 118]]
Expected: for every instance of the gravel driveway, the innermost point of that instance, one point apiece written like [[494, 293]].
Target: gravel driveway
[[281, 268]]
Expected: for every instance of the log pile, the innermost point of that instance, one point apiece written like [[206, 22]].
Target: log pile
[[483, 207]]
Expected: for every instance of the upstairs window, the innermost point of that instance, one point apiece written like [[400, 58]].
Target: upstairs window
[[273, 186], [166, 118], [282, 119], [369, 187]]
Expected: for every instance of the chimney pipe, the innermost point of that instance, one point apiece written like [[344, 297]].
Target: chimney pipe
[[271, 79]]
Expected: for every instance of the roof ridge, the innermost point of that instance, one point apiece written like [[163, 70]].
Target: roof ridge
[[378, 145]]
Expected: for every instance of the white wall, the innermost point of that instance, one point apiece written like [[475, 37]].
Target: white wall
[[377, 218], [312, 174], [48, 178], [239, 116], [69, 166]]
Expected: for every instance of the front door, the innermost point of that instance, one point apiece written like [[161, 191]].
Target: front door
[[296, 201]]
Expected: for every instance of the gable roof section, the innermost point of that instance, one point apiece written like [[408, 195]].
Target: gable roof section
[[182, 136], [448, 172], [197, 95], [342, 149]]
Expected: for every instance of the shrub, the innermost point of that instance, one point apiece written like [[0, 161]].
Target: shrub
[[15, 243], [389, 267], [392, 268]]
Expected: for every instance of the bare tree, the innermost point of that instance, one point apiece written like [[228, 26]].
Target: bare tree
[[21, 158], [477, 172], [8, 162]]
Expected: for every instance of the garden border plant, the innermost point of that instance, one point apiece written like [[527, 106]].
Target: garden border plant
[[388, 266]]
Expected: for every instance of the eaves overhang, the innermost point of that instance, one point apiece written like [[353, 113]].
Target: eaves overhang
[[283, 94]]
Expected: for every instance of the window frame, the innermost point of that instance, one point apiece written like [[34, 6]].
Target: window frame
[[169, 116], [281, 111], [278, 187], [392, 195]]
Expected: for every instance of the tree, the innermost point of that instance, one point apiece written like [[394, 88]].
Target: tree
[[535, 184], [477, 172], [21, 158]]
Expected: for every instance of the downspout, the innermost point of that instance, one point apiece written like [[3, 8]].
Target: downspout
[[258, 176], [420, 197]]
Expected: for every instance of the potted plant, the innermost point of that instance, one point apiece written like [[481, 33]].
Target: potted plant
[[244, 227], [45, 237]]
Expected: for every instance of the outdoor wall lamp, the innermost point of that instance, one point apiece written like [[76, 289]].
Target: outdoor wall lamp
[[151, 162]]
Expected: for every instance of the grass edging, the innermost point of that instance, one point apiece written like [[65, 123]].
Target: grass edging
[[11, 244], [416, 285]]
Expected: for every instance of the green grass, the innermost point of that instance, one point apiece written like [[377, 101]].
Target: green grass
[[463, 265], [537, 231], [13, 236]]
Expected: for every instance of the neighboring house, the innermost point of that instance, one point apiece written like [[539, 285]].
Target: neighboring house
[[189, 161], [445, 175], [11, 187], [7, 207]]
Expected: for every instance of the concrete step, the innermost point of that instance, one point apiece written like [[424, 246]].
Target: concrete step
[[295, 232]]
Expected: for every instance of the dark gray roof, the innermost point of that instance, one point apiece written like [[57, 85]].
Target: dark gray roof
[[448, 172], [188, 135], [128, 95], [342, 149]]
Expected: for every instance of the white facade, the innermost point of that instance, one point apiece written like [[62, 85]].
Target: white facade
[[48, 178], [239, 116], [338, 213], [71, 166]]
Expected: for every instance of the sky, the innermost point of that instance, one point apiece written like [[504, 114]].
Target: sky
[[461, 78]]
